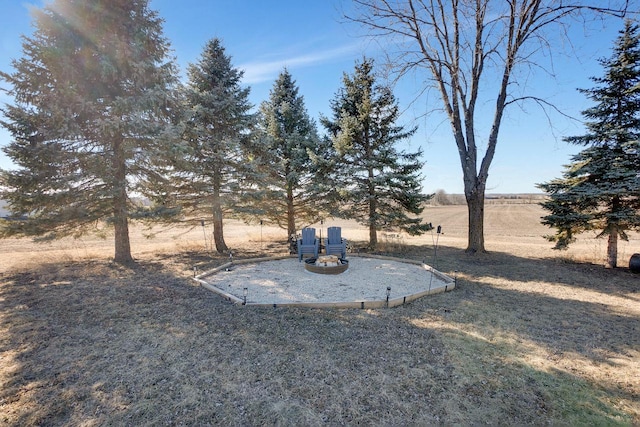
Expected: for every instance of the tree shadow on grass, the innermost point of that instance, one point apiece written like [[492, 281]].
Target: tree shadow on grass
[[205, 260], [506, 389], [576, 316], [75, 337], [98, 343], [562, 298], [551, 270], [104, 344]]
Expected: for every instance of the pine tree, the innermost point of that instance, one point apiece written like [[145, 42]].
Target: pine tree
[[600, 189], [375, 183], [217, 129], [289, 144], [91, 122]]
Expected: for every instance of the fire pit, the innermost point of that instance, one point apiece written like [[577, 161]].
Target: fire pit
[[326, 264]]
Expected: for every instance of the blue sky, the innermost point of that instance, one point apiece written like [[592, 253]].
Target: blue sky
[[310, 39]]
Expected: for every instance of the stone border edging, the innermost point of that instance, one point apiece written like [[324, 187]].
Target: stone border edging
[[394, 302]]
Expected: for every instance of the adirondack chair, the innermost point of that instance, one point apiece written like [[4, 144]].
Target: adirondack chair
[[335, 243], [308, 244]]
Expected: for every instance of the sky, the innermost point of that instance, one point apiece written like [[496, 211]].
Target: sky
[[312, 40]]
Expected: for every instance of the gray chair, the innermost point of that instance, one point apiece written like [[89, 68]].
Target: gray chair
[[308, 244], [335, 243]]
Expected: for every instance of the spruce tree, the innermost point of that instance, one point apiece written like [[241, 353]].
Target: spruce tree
[[91, 121], [374, 183], [600, 189], [217, 129], [289, 142]]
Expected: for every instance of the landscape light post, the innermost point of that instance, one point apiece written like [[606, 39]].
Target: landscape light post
[[245, 291], [435, 245], [388, 295]]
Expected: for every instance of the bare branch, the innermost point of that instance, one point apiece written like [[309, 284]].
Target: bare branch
[[542, 102]]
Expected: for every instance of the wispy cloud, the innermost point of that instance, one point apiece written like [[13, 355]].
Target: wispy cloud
[[261, 71]]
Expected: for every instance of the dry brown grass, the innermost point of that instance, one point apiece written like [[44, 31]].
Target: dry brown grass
[[529, 336]]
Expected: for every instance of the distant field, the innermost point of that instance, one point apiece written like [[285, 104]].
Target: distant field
[[516, 229], [509, 227]]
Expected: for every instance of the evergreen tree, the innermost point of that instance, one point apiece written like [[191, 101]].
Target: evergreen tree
[[374, 183], [217, 128], [289, 143], [91, 119], [600, 189]]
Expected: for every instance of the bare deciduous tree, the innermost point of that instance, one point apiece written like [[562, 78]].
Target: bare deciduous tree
[[470, 46]]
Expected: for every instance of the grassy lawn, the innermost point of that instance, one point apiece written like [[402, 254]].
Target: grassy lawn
[[527, 337]]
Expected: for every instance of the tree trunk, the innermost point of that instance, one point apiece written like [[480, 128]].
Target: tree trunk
[[121, 231], [373, 210], [218, 236], [120, 211], [475, 207], [373, 236], [612, 249], [291, 216]]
